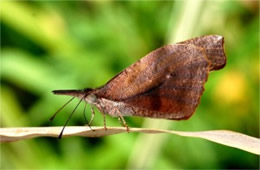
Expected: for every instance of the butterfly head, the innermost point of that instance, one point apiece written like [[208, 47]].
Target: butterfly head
[[89, 96]]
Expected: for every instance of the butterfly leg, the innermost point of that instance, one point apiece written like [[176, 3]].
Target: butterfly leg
[[105, 125], [92, 115], [123, 122]]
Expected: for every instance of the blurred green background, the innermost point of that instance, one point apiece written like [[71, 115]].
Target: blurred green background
[[73, 45]]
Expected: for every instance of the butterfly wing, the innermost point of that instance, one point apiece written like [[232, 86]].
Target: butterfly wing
[[178, 95], [146, 73], [214, 48], [168, 82]]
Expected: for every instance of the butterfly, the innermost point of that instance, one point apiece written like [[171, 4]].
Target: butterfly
[[167, 83]]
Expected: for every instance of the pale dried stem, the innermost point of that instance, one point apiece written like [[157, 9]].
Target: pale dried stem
[[228, 138]]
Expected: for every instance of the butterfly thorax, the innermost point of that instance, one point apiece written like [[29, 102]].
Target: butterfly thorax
[[91, 99], [113, 108]]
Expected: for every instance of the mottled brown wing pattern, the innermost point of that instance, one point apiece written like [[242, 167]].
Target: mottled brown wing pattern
[[179, 94], [146, 73], [137, 78], [214, 48], [169, 81]]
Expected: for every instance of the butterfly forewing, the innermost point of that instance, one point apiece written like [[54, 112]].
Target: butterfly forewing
[[168, 82], [146, 73], [214, 48], [179, 93]]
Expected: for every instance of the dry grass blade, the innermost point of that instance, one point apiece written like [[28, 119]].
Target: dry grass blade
[[228, 138]]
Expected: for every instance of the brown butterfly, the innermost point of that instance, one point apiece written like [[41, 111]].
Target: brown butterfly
[[167, 83]]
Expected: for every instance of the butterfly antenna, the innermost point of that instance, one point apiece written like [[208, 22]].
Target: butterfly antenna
[[60, 135], [54, 115]]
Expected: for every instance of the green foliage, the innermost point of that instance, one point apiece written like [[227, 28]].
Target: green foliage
[[72, 45]]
